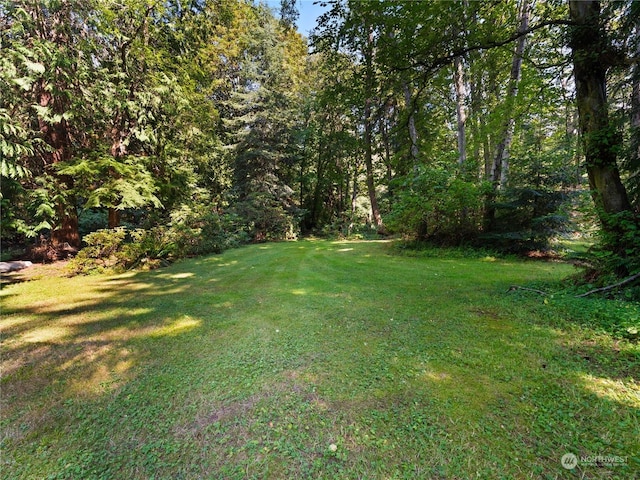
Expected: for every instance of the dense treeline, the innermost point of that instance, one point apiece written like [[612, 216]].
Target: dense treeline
[[201, 124], [173, 116]]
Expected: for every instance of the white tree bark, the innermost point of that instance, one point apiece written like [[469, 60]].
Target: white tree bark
[[500, 168], [413, 131], [461, 113]]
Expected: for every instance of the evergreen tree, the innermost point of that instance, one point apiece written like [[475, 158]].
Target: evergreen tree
[[264, 117]]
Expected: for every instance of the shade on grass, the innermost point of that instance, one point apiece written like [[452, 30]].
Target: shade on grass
[[312, 359]]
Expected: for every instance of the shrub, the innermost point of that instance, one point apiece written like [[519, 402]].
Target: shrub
[[527, 218], [436, 205], [102, 251], [267, 219], [119, 249], [91, 220], [148, 246], [619, 246], [616, 255], [202, 230], [192, 232]]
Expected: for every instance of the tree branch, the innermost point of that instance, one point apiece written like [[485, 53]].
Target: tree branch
[[517, 287], [439, 62], [611, 287]]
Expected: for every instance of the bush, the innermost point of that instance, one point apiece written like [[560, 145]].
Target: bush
[[267, 219], [91, 220], [148, 246], [616, 255], [192, 232], [202, 230], [436, 205], [350, 227], [527, 219], [119, 249], [102, 251], [618, 249]]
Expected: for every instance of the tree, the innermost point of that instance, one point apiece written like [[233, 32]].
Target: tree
[[461, 114], [263, 117], [368, 120], [288, 14], [123, 96], [501, 160], [593, 56], [500, 164], [39, 35], [353, 29]]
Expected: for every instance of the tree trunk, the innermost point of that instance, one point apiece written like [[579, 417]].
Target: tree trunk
[[317, 200], [499, 170], [461, 113], [57, 136], [499, 167], [114, 217], [413, 131], [368, 162], [635, 103], [354, 193], [368, 132], [67, 232], [635, 115], [599, 136], [386, 140], [118, 150]]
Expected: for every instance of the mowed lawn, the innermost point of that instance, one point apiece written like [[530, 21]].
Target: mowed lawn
[[312, 359]]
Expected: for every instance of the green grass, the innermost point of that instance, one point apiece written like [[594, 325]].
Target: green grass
[[252, 364]]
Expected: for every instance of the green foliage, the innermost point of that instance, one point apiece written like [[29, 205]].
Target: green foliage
[[37, 204], [267, 219], [92, 219], [41, 206], [19, 70], [435, 204], [191, 232], [9, 221], [140, 107], [119, 249], [97, 100], [615, 313], [618, 318], [352, 226], [202, 230], [102, 251], [617, 252], [528, 218], [108, 182], [265, 110]]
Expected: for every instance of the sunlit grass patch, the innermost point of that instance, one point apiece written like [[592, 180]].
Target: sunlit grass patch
[[617, 390]]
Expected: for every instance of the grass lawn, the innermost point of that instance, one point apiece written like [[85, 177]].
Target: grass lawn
[[313, 359]]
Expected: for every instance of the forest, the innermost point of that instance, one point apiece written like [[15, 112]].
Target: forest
[[145, 131], [403, 246]]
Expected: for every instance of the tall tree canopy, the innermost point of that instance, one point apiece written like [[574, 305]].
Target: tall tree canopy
[[448, 121]]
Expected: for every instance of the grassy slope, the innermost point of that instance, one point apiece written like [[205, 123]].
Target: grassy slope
[[252, 363]]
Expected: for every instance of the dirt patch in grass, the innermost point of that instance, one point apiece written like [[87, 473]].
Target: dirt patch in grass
[[36, 272]]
